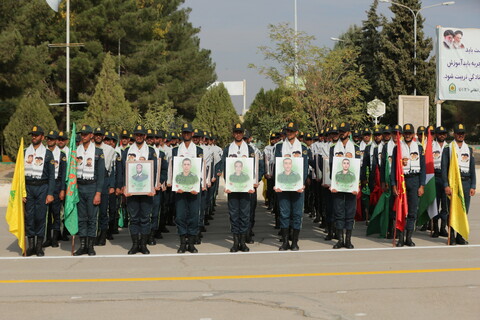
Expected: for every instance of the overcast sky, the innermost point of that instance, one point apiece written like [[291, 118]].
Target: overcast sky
[[234, 29]]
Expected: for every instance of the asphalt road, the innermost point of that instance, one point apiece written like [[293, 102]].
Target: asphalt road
[[373, 281]]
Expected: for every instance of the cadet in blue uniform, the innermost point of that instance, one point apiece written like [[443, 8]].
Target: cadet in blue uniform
[[238, 202], [344, 204], [291, 202], [90, 179], [413, 162], [40, 187], [466, 163], [187, 204], [54, 208], [140, 206], [437, 148]]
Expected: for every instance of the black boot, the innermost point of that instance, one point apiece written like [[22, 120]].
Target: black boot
[[249, 236], [65, 234], [391, 229], [329, 230], [294, 246], [143, 244], [114, 227], [341, 242], [452, 237], [336, 234], [83, 247], [164, 229], [436, 232], [400, 242], [158, 234], [48, 240], [242, 246], [151, 238], [234, 247], [134, 248], [348, 240], [110, 231], [90, 249], [285, 244], [55, 237], [443, 228], [31, 246], [39, 248], [183, 244], [191, 244], [408, 239], [101, 239], [459, 239]]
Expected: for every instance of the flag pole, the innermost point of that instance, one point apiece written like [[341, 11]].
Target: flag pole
[[73, 244]]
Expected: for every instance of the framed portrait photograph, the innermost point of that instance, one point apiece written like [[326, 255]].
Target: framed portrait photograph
[[239, 174], [326, 172], [139, 177], [345, 174], [289, 173], [187, 173]]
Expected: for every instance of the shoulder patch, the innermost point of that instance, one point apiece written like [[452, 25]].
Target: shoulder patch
[[200, 155], [52, 161], [102, 156], [304, 151], [358, 152], [119, 158], [64, 158]]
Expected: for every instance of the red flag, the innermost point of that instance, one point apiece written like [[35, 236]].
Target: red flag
[[400, 206], [377, 190]]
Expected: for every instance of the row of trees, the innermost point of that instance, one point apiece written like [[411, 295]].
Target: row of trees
[[374, 60], [141, 63]]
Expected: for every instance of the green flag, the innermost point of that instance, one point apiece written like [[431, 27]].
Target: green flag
[[71, 196], [381, 214]]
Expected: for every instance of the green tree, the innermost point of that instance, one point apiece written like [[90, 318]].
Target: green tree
[[217, 114], [31, 111], [396, 59], [108, 107], [161, 117]]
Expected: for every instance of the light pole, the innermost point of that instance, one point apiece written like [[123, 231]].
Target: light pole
[[415, 14], [295, 66]]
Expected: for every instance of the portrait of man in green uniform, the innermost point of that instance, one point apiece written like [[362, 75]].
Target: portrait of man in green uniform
[[239, 174], [140, 180], [186, 179], [288, 177], [346, 174]]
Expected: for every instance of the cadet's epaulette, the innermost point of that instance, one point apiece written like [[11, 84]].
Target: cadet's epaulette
[[102, 156], [358, 152], [305, 151], [200, 155], [52, 161]]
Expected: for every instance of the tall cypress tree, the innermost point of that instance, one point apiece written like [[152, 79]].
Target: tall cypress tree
[[396, 59], [217, 114], [108, 107]]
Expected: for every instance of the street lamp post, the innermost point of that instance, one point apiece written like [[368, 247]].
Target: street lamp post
[[415, 14], [295, 66]]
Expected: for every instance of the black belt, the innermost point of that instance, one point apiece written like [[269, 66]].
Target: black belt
[[411, 175], [36, 182], [84, 182], [465, 178]]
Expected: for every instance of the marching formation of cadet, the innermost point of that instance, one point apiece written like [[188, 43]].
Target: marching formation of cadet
[[105, 205]]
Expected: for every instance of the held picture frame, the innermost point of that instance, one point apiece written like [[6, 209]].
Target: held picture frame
[[139, 177], [187, 174], [239, 174], [289, 173], [345, 174]]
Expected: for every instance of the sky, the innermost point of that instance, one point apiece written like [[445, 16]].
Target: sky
[[234, 29]]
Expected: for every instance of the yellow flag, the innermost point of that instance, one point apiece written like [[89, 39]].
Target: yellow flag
[[15, 210], [458, 211]]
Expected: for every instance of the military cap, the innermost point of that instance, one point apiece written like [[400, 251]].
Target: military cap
[[62, 135], [187, 127], [333, 130], [114, 136], [356, 133], [207, 135], [52, 135], [99, 131], [150, 133], [321, 132], [459, 128], [124, 134], [440, 130], [387, 129], [301, 134], [397, 128], [367, 131], [36, 130], [292, 126], [246, 135], [198, 133], [160, 134], [432, 129], [420, 130], [85, 129], [344, 127], [139, 129], [316, 136], [308, 136], [377, 131], [173, 135], [409, 128], [108, 135], [273, 135], [130, 136]]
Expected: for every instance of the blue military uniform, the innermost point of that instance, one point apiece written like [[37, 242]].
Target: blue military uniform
[[38, 187]]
